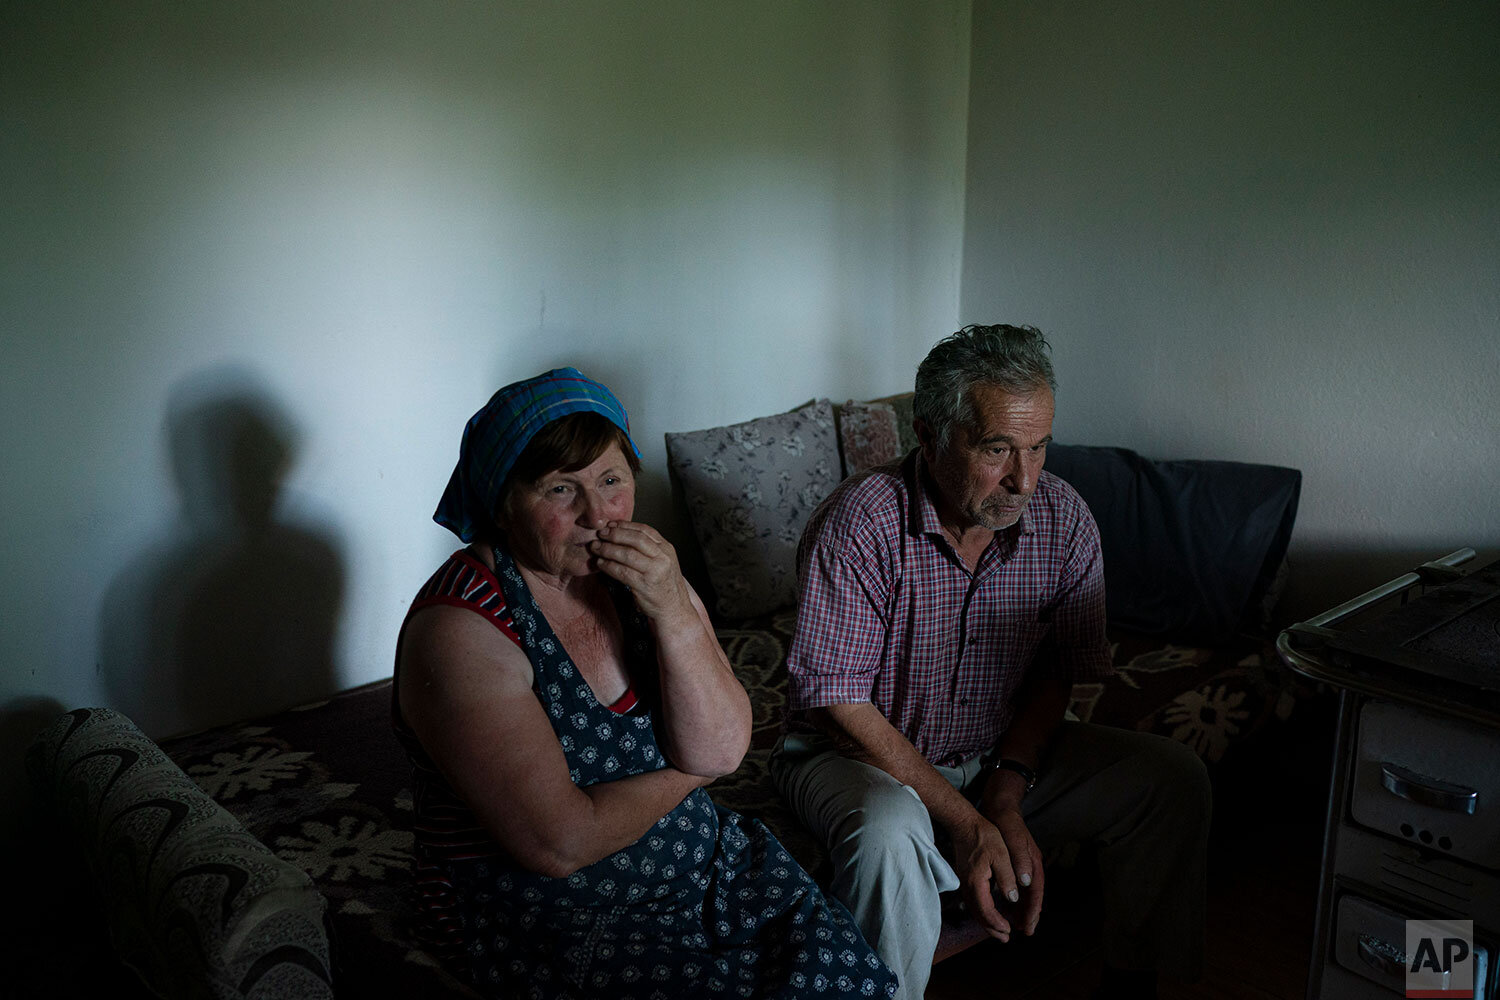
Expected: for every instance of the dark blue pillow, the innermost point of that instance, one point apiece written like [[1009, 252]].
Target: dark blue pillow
[[1190, 547]]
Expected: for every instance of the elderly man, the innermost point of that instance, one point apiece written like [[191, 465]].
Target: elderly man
[[948, 604]]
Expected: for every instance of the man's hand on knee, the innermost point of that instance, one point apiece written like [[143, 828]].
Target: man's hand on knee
[[1025, 862], [986, 875], [1000, 803]]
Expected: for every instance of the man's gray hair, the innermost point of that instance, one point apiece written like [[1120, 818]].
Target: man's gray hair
[[1015, 358]]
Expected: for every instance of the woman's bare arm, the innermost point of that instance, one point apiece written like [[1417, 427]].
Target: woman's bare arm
[[465, 690], [705, 710]]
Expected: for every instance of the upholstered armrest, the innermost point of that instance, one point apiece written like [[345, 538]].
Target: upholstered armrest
[[195, 904]]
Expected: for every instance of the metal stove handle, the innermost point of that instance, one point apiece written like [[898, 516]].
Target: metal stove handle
[[1382, 956], [1419, 788]]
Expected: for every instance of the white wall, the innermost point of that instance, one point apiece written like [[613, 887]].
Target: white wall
[[1267, 232], [262, 262]]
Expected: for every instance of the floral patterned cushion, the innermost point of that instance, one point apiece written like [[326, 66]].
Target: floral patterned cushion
[[750, 488], [902, 403], [868, 435], [196, 905]]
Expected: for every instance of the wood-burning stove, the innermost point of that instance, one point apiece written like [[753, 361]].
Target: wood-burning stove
[[1413, 830]]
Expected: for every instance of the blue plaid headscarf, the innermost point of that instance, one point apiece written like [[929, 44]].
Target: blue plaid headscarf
[[495, 437]]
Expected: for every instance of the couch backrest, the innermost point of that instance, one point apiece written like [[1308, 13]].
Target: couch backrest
[[1193, 550]]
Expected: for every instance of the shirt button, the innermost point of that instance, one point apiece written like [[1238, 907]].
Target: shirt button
[[963, 701]]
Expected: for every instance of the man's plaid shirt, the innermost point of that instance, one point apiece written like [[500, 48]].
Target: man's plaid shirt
[[888, 613]]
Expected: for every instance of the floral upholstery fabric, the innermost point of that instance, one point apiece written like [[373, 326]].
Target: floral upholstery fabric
[[750, 488], [868, 435], [1210, 698], [195, 903], [902, 403], [757, 650]]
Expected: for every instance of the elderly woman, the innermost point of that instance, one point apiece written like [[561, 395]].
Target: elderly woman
[[564, 701]]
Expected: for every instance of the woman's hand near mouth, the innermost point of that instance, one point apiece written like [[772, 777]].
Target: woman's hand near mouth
[[639, 557]]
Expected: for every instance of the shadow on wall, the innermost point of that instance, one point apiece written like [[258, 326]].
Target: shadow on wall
[[234, 613]]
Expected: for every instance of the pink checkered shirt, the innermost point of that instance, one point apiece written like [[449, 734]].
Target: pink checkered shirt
[[888, 613]]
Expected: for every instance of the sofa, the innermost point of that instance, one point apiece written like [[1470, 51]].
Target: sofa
[[1194, 555], [268, 858]]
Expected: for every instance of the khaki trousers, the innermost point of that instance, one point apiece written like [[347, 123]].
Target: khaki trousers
[[1141, 801]]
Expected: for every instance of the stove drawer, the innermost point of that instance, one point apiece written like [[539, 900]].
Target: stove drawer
[[1429, 780], [1370, 941]]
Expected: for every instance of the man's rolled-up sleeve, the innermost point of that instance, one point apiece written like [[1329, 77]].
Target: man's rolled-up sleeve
[[842, 621]]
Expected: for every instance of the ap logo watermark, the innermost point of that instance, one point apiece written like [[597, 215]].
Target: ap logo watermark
[[1440, 959]]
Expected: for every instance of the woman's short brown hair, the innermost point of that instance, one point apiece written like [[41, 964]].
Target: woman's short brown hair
[[568, 444]]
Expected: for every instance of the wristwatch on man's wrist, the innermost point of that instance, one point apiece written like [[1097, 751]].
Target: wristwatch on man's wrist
[[1010, 764]]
